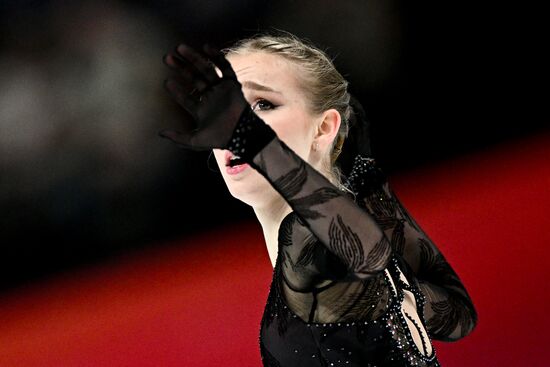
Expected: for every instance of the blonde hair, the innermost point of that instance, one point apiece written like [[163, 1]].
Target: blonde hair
[[324, 86]]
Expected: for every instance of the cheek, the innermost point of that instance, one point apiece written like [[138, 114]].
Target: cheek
[[220, 157], [294, 129]]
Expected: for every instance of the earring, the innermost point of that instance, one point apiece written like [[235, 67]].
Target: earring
[[315, 146]]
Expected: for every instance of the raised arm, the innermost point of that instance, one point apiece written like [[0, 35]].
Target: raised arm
[[221, 118]]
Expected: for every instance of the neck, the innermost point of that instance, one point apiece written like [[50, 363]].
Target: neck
[[271, 215], [270, 218]]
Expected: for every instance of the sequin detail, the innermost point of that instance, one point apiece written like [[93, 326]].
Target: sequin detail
[[250, 135]]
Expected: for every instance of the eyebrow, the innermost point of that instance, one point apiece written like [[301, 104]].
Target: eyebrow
[[260, 87]]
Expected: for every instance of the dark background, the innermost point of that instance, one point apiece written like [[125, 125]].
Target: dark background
[[84, 176]]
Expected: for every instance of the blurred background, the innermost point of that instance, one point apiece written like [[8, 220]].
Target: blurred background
[[84, 178], [83, 174]]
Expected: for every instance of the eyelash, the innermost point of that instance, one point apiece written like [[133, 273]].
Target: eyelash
[[263, 101]]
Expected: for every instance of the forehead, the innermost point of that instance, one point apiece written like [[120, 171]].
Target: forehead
[[267, 69]]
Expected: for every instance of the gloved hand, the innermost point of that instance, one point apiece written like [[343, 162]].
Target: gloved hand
[[214, 103]]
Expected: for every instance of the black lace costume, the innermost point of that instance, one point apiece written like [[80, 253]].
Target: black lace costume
[[356, 281]]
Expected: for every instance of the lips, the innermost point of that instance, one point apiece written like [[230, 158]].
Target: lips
[[232, 160], [234, 164]]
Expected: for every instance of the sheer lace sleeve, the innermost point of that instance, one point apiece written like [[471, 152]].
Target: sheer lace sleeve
[[448, 310], [332, 253], [339, 239], [337, 222]]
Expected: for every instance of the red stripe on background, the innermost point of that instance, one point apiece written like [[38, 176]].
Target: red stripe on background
[[199, 302]]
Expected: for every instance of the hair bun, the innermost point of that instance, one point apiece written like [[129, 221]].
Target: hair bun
[[358, 140]]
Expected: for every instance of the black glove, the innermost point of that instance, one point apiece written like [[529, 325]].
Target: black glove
[[218, 116], [214, 104]]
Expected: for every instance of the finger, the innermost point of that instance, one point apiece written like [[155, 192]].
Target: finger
[[187, 71], [182, 97], [177, 137], [185, 85], [185, 140], [218, 58], [174, 62], [199, 62], [183, 76], [188, 86]]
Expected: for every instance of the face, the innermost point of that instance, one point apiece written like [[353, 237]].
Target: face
[[272, 87]]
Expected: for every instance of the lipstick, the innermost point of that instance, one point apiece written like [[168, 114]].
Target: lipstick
[[234, 164]]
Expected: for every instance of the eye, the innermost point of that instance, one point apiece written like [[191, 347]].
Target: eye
[[262, 105]]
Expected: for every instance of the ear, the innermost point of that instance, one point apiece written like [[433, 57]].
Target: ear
[[327, 129]]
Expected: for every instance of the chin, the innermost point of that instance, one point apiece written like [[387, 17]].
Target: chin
[[254, 190]]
